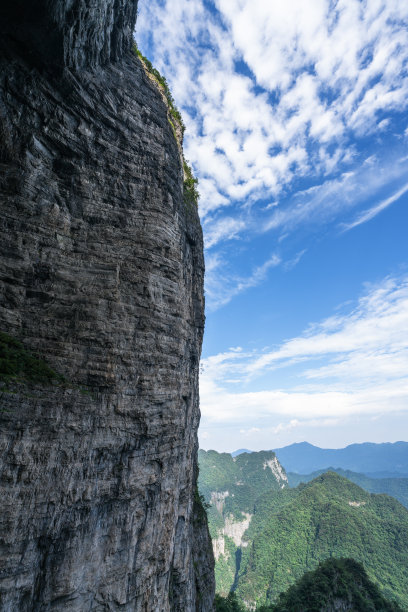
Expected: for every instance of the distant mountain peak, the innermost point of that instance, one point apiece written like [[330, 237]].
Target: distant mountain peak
[[366, 458], [240, 451]]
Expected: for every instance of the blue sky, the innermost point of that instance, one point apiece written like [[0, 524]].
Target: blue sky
[[297, 129]]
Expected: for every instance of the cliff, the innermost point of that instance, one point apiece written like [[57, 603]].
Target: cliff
[[231, 486], [102, 277]]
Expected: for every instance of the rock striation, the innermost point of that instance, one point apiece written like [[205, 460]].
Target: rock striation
[[101, 276]]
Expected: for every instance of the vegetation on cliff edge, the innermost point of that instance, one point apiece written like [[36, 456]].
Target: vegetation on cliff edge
[[161, 80], [191, 195], [190, 192]]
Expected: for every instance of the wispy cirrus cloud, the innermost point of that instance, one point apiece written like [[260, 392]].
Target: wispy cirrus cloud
[[221, 288], [369, 214], [348, 364], [337, 197]]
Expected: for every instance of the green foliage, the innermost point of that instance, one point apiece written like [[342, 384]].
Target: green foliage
[[245, 477], [200, 507], [225, 567], [161, 80], [295, 529], [191, 195], [396, 487], [228, 604], [334, 581], [19, 365], [190, 192], [239, 481]]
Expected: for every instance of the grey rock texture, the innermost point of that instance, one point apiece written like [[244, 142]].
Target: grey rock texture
[[102, 275]]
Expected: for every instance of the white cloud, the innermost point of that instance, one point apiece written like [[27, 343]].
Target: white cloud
[[314, 78], [369, 214], [226, 227], [222, 287], [249, 432], [286, 426], [330, 67], [354, 363]]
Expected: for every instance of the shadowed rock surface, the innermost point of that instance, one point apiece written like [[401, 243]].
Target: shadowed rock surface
[[101, 276], [336, 585]]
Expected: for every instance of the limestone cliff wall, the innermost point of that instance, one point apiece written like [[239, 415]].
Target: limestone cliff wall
[[102, 275]]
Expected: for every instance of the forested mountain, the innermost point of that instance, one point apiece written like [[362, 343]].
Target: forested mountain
[[293, 530], [396, 487], [244, 477], [266, 534], [388, 459], [231, 485], [335, 585]]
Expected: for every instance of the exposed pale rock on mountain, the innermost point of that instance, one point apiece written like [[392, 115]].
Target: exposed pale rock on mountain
[[101, 276], [231, 485]]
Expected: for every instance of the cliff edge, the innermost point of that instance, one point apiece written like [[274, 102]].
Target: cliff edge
[[102, 278]]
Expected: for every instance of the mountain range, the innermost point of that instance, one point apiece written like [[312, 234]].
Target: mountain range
[[267, 534], [231, 486], [375, 460], [294, 530], [396, 487]]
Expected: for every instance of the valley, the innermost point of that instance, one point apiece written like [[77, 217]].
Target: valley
[[269, 528]]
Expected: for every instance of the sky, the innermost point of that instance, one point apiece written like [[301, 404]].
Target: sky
[[297, 129]]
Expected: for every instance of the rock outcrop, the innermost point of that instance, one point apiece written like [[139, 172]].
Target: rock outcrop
[[102, 276]]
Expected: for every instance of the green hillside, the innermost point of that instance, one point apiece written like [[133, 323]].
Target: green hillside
[[245, 477], [295, 529], [231, 485], [336, 584], [396, 487]]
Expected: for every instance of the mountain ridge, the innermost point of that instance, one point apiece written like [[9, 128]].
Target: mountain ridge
[[367, 457], [395, 487], [292, 531]]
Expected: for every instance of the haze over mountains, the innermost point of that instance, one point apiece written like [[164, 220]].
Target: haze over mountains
[[396, 487], [384, 460]]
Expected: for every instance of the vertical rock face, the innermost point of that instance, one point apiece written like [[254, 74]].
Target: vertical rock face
[[102, 275]]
